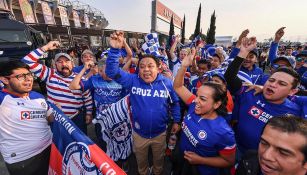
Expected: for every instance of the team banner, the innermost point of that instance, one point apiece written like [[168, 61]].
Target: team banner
[[72, 152]]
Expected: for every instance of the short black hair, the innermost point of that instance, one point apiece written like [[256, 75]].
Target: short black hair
[[204, 61], [6, 68], [291, 124], [293, 73], [156, 59], [219, 94]]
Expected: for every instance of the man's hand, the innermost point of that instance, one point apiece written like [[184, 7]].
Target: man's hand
[[243, 35], [187, 61], [258, 89], [51, 46], [88, 118], [247, 45], [279, 34], [175, 128], [192, 157], [88, 65], [117, 40]]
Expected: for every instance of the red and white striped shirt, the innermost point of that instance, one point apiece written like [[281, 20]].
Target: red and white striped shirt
[[71, 101]]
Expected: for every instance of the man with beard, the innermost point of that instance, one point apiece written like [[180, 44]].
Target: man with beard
[[282, 149], [255, 111], [57, 80], [25, 135]]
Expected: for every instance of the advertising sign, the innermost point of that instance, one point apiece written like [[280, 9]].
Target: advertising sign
[[64, 17], [27, 11], [48, 17], [76, 18], [165, 14]]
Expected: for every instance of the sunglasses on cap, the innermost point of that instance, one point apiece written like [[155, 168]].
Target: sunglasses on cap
[[300, 59], [276, 66]]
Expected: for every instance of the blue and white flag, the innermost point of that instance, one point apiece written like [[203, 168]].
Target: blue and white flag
[[116, 129]]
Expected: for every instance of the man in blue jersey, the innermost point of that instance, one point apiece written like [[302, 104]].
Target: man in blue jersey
[[255, 111], [152, 97], [25, 134]]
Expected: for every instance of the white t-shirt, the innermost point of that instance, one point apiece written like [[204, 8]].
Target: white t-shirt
[[177, 65], [24, 129]]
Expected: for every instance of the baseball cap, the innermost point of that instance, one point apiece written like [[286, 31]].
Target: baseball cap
[[255, 52], [87, 51], [303, 53], [58, 55], [291, 60]]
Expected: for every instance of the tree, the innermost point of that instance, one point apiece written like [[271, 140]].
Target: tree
[[183, 31], [171, 32], [197, 27], [211, 31]]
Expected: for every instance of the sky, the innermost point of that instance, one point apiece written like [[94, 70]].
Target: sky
[[261, 17]]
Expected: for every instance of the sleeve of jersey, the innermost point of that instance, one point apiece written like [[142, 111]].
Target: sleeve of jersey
[[32, 60], [113, 71], [88, 101], [227, 144], [191, 99], [2, 95], [273, 52], [234, 52], [86, 84]]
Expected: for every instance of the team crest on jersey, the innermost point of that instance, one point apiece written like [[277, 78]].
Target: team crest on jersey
[[255, 112], [202, 135], [25, 115], [76, 160], [44, 105], [121, 132]]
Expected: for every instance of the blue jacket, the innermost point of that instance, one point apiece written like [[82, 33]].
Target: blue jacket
[[150, 103]]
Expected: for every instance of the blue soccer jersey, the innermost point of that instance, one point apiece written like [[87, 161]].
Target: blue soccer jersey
[[105, 92], [207, 138], [254, 113]]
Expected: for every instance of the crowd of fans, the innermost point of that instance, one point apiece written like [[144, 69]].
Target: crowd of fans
[[227, 106]]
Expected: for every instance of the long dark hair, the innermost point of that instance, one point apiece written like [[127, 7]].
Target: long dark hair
[[218, 95]]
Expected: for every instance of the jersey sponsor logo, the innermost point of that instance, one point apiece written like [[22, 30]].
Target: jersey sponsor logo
[[149, 92], [189, 135], [20, 104], [255, 112], [259, 114], [25, 115], [260, 103], [202, 135], [76, 160], [28, 115]]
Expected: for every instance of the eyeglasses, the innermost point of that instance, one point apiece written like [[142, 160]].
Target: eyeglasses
[[22, 76]]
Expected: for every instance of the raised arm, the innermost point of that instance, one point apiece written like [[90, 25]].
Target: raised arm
[[180, 89], [173, 48], [32, 60], [274, 45], [75, 83], [112, 64], [233, 82]]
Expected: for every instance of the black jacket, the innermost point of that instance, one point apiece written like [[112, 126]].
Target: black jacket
[[249, 164]]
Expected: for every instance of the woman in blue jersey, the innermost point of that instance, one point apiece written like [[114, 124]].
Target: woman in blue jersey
[[206, 140]]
